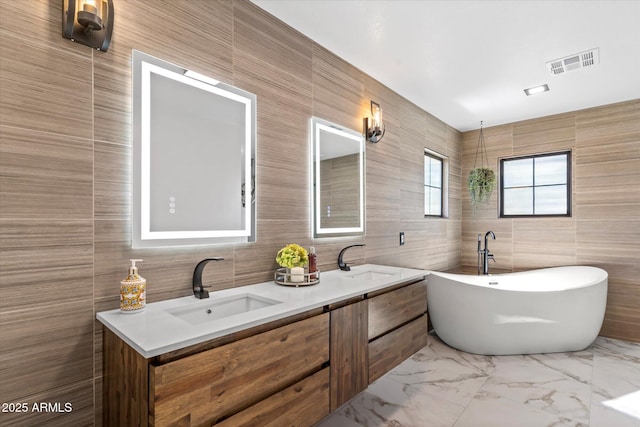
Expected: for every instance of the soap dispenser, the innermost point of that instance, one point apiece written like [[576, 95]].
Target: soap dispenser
[[133, 290]]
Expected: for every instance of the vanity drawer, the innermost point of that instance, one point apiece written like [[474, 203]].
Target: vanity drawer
[[392, 309], [303, 404], [205, 387], [390, 350]]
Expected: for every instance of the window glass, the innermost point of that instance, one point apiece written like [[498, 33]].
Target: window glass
[[536, 185], [551, 200], [436, 173], [433, 185], [551, 170], [518, 201], [518, 173], [433, 201]]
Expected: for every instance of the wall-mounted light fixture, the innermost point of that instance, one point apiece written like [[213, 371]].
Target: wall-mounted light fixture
[[89, 22], [374, 131]]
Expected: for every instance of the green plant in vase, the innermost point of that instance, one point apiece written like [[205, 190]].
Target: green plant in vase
[[293, 257]]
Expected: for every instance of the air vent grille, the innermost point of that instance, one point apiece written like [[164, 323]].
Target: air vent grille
[[556, 67], [574, 62], [587, 59]]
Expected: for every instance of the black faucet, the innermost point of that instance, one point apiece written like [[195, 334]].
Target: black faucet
[[198, 290], [486, 255], [343, 265]]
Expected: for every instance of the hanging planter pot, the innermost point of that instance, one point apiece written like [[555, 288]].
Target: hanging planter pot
[[481, 180], [481, 183]]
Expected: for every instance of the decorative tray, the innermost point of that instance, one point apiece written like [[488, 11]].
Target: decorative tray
[[283, 276]]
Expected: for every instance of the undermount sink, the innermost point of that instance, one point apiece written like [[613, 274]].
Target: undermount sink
[[371, 275], [222, 308]]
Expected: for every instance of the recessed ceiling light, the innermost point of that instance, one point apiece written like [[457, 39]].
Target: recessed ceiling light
[[536, 89]]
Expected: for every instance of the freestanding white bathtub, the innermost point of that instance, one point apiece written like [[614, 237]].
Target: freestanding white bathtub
[[540, 311]]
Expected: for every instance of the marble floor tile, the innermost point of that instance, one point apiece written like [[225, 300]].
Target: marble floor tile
[[499, 411], [443, 387], [555, 383], [444, 373], [615, 398]]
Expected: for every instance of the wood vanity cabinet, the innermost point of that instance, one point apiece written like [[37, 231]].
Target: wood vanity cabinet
[[264, 379], [290, 372]]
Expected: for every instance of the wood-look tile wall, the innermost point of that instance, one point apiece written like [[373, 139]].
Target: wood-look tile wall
[[604, 229], [65, 178]]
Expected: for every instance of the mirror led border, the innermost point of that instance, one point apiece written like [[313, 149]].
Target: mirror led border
[[318, 125], [145, 172], [143, 236]]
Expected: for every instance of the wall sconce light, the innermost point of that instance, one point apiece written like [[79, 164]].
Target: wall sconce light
[[89, 22], [374, 131]]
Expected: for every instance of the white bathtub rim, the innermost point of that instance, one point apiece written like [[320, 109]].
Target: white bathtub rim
[[597, 275]]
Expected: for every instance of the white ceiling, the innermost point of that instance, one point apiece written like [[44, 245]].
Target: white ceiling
[[467, 61]]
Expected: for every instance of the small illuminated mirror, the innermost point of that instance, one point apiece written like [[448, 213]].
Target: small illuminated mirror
[[338, 179], [193, 158]]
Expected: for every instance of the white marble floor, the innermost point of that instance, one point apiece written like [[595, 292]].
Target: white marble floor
[[443, 387]]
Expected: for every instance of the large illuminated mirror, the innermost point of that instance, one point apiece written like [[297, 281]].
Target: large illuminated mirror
[[193, 157], [338, 179]]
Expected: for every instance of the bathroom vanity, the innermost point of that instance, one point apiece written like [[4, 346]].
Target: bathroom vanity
[[273, 355]]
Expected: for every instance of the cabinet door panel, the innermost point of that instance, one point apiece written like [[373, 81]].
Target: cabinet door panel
[[303, 404], [200, 389], [390, 310], [349, 353], [390, 350], [125, 382]]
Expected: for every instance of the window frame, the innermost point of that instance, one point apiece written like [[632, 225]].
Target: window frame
[[444, 168], [533, 186]]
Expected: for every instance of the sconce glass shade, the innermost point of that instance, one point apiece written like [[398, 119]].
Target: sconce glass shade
[[89, 22], [90, 16], [374, 131]]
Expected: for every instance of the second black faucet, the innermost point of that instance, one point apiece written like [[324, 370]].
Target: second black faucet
[[343, 265], [199, 291]]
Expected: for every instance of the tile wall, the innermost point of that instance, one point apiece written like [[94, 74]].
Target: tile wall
[[65, 178]]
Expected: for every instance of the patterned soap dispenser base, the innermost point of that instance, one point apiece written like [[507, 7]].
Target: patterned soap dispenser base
[[133, 296]]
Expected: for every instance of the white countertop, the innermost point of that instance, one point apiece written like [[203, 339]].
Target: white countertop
[[155, 330]]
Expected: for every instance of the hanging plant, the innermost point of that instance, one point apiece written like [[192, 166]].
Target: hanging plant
[[482, 180], [481, 183]]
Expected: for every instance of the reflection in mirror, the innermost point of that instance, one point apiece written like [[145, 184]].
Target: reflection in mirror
[[338, 179], [193, 156]]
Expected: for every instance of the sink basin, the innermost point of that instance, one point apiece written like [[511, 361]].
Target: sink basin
[[222, 308], [371, 275]]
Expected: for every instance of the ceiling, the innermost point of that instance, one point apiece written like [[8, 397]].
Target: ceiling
[[470, 61]]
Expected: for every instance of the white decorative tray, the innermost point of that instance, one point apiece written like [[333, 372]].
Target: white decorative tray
[[283, 276]]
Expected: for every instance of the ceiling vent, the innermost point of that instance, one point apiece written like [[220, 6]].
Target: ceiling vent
[[585, 59]]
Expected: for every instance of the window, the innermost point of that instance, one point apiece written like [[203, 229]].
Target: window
[[434, 184], [538, 185]]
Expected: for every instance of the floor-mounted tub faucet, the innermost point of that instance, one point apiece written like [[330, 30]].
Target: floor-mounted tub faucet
[[343, 265], [199, 290], [483, 254]]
